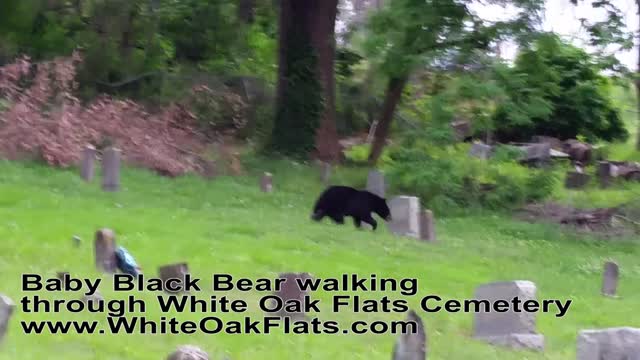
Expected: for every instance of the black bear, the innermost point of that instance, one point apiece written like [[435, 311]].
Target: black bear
[[336, 202]]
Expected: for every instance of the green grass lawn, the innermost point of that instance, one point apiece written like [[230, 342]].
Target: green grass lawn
[[229, 226]]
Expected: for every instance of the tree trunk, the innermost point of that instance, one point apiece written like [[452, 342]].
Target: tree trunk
[[391, 100], [246, 10], [323, 38]]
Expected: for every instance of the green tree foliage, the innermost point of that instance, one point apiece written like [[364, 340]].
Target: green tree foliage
[[555, 89]]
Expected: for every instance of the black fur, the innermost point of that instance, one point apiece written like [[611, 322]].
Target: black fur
[[336, 202]]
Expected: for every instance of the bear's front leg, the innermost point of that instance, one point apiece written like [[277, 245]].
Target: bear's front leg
[[339, 219], [369, 220]]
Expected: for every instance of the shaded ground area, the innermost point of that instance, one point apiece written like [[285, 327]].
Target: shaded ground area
[[622, 220]]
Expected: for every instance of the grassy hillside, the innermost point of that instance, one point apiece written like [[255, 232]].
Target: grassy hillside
[[229, 226]]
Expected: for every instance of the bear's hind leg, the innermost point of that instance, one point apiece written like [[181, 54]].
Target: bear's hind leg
[[357, 222], [338, 218]]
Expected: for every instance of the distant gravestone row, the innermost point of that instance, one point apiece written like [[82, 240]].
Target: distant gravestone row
[[110, 167]]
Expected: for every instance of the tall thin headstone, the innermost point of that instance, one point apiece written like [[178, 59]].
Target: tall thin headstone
[[604, 173], [87, 166], [266, 183], [290, 290], [376, 183], [405, 214], [412, 345], [111, 169], [7, 307], [610, 279], [325, 172], [174, 271], [512, 329], [427, 226], [105, 251]]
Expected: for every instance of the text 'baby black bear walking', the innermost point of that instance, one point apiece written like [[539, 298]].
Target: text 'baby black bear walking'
[[336, 202]]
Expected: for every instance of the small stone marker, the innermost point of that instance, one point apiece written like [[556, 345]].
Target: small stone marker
[[516, 330], [576, 180], [209, 169], [291, 295], [605, 173], [93, 298], [621, 343], [412, 346], [427, 226], [266, 183], [61, 275], [87, 167], [610, 279], [105, 251], [376, 183], [188, 352], [7, 307], [479, 150], [174, 271], [111, 169], [405, 214], [76, 240], [325, 172]]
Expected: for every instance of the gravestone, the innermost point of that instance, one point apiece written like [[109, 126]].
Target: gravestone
[[405, 214], [576, 180], [621, 343], [427, 226], [61, 275], [105, 251], [516, 330], [479, 150], [173, 271], [111, 169], [188, 352], [291, 292], [7, 307], [266, 183], [376, 183], [76, 240], [412, 346], [95, 298], [325, 172], [605, 173], [610, 279], [87, 166], [209, 169], [462, 130]]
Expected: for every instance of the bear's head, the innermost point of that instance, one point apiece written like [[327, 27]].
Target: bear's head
[[382, 209]]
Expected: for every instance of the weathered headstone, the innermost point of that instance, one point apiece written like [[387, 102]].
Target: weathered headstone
[[405, 214], [93, 298], [511, 329], [604, 173], [188, 352], [482, 151], [266, 183], [105, 251], [290, 293], [376, 183], [462, 130], [7, 307], [412, 346], [174, 271], [209, 169], [87, 166], [621, 343], [111, 169], [61, 275], [325, 172], [576, 180], [76, 240], [537, 154], [610, 279], [427, 226]]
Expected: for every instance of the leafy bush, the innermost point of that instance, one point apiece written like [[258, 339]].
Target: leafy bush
[[217, 110], [447, 179]]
